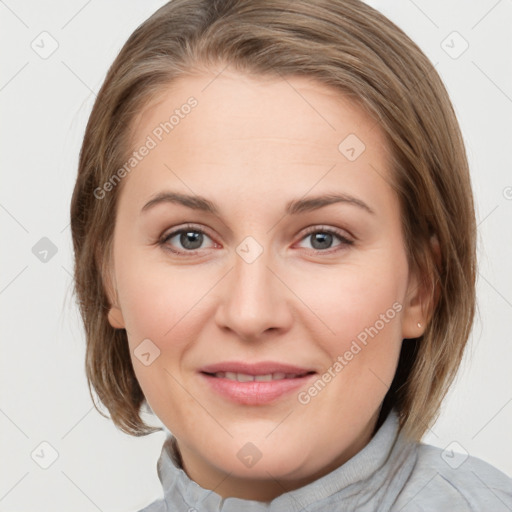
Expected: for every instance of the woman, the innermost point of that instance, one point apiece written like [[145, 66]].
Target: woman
[[274, 235]]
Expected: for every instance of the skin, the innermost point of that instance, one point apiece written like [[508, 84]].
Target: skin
[[251, 145]]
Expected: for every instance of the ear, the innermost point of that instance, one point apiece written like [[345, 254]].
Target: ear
[[115, 315], [420, 299]]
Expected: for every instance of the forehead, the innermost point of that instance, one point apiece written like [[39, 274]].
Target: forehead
[[257, 106], [256, 132]]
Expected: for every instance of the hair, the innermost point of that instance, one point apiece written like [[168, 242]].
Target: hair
[[344, 44]]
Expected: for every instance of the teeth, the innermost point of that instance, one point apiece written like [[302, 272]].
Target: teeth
[[243, 377], [263, 378]]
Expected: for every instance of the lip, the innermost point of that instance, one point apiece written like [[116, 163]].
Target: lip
[[255, 392], [261, 368]]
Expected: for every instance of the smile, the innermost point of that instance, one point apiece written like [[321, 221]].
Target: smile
[[254, 384], [245, 377]]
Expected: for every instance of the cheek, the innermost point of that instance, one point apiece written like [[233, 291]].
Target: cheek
[[358, 318], [348, 299], [162, 303]]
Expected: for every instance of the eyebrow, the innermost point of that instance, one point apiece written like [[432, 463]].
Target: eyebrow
[[293, 207]]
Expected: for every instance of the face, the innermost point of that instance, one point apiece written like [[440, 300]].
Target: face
[[264, 320]]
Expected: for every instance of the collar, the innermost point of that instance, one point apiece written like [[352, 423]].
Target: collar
[[363, 481]]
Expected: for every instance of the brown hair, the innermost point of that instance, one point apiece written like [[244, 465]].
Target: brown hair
[[344, 44]]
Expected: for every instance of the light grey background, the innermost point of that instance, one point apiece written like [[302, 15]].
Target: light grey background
[[45, 103]]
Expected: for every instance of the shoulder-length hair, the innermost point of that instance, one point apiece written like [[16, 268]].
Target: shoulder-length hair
[[344, 44]]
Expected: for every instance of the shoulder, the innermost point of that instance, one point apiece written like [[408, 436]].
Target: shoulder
[[447, 479]]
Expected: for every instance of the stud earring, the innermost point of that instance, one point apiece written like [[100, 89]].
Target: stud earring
[[419, 325]]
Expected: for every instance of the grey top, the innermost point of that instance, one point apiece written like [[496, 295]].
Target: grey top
[[390, 474]]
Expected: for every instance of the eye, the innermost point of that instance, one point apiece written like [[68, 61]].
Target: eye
[[322, 239], [190, 238]]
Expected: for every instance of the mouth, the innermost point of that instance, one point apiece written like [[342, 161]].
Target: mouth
[[254, 384], [246, 377]]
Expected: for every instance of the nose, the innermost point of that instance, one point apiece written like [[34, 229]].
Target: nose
[[255, 299]]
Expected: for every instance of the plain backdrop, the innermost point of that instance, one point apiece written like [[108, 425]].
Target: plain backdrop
[[45, 101]]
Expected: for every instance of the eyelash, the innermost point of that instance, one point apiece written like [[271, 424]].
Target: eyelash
[[309, 231]]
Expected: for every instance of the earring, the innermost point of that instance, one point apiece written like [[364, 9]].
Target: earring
[[419, 325]]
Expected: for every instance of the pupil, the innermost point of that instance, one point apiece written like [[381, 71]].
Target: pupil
[[190, 238], [325, 240]]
